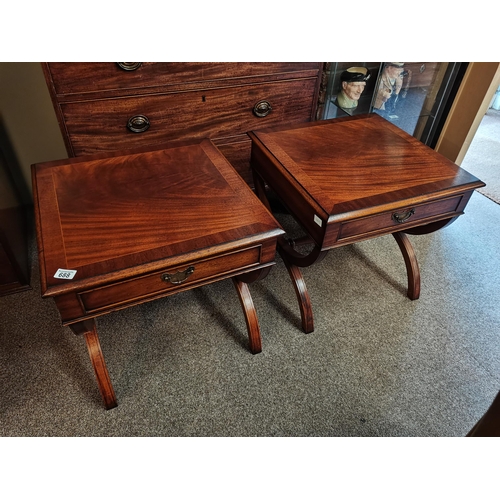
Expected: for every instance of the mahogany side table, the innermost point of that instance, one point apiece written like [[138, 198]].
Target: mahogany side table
[[118, 230], [350, 179]]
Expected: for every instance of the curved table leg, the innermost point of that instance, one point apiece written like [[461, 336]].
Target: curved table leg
[[303, 297], [412, 269], [293, 260], [255, 342], [89, 331]]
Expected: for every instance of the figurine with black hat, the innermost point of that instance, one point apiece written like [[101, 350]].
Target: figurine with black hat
[[353, 82]]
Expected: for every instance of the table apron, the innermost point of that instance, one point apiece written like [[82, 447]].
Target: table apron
[[76, 306], [408, 216]]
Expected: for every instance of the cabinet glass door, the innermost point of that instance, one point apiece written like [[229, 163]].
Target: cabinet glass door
[[412, 95]]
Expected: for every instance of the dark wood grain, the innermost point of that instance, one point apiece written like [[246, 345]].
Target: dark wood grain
[[351, 179], [345, 171], [101, 125], [100, 369], [94, 101], [92, 77], [106, 215], [255, 341], [412, 269], [132, 224]]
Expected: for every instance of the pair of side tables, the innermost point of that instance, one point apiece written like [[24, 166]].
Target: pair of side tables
[[118, 230]]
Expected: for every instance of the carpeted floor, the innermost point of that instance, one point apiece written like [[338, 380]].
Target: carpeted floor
[[483, 156], [377, 363]]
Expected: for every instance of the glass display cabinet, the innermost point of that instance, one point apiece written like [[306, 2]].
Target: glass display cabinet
[[414, 96]]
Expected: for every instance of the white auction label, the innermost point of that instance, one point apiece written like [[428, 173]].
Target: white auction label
[[318, 220], [65, 274]]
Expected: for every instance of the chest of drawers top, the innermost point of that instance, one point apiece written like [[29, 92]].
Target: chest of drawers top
[[81, 81], [105, 107]]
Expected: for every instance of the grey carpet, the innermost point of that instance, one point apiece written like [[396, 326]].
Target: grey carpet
[[483, 156], [377, 363]]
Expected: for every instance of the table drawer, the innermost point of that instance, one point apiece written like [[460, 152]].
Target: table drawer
[[169, 280], [101, 125], [398, 220], [84, 77]]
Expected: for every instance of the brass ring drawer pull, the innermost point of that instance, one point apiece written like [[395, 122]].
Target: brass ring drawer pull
[[138, 123], [262, 108], [403, 216], [129, 66], [178, 277]]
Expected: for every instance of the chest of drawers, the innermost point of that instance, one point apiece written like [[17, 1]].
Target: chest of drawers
[[104, 107]]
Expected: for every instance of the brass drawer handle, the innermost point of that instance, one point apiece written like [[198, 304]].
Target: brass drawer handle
[[178, 277], [138, 123], [129, 66], [403, 216], [262, 108]]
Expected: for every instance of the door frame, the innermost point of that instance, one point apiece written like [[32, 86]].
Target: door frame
[[473, 99]]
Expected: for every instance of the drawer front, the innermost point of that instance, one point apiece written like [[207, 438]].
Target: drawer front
[[169, 281], [398, 220], [101, 125], [71, 78]]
